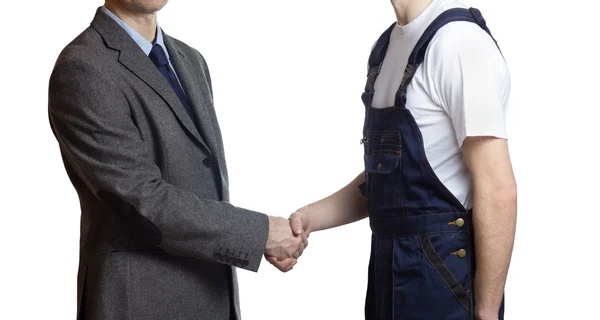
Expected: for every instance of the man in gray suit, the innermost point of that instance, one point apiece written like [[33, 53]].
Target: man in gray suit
[[133, 114]]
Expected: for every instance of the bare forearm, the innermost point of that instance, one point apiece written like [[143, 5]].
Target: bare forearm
[[345, 206], [494, 219]]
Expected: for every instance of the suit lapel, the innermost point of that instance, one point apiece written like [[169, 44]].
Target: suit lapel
[[139, 64], [196, 91]]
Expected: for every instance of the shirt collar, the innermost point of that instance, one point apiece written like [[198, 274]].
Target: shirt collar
[[144, 44]]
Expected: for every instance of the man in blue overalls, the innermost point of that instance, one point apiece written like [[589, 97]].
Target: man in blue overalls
[[438, 185]]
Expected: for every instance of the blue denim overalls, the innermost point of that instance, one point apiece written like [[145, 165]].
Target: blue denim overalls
[[422, 257]]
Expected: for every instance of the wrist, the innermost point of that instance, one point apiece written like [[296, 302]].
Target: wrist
[[487, 317], [274, 223], [486, 314], [273, 226], [269, 230]]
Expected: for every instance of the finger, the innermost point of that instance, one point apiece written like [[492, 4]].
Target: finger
[[286, 265], [304, 236], [279, 262], [301, 249], [280, 254], [292, 266]]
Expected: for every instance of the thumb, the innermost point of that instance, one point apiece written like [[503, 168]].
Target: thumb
[[296, 223], [271, 259]]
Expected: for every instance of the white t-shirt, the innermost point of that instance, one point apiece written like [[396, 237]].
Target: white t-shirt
[[461, 89]]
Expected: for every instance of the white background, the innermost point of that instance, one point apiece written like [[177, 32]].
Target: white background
[[287, 78]]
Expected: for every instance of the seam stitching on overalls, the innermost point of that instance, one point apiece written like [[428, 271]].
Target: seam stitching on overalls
[[426, 236], [443, 187]]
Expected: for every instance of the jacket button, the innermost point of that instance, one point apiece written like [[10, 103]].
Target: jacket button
[[460, 222], [207, 162], [462, 253]]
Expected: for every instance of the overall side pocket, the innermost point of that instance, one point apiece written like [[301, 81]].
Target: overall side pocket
[[447, 254]]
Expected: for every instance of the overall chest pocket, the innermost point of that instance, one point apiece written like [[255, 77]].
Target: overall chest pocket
[[383, 168]]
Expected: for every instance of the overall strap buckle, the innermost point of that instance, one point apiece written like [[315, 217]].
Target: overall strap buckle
[[409, 73], [372, 77]]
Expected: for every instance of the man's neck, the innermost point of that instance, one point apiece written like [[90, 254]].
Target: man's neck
[[409, 10], [143, 23]]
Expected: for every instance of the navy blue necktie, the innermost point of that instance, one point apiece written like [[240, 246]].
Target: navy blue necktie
[[159, 58]]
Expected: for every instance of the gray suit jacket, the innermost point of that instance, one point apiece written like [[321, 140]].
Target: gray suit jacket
[[158, 235]]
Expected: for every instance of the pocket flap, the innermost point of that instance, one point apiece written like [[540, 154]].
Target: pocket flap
[[382, 163]]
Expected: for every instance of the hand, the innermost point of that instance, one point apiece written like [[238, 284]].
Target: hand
[[299, 224], [282, 243]]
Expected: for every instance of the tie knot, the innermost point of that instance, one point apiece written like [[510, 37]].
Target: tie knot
[[158, 56]]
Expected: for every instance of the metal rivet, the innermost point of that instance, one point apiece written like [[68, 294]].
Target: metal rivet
[[460, 222], [379, 166], [462, 253]]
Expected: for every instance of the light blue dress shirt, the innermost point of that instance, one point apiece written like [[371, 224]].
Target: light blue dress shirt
[[144, 44]]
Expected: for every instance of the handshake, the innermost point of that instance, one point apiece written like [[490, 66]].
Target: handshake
[[287, 240]]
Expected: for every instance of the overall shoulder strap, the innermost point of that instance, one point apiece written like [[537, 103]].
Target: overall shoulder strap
[[418, 54], [376, 58]]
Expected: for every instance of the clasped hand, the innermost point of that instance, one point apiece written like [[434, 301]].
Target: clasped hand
[[287, 240]]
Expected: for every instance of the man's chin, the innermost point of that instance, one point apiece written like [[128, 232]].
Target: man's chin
[[149, 6]]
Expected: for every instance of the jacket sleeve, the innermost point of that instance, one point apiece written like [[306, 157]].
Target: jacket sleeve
[[91, 120]]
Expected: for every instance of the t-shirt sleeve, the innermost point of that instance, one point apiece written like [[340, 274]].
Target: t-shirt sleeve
[[470, 80]]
